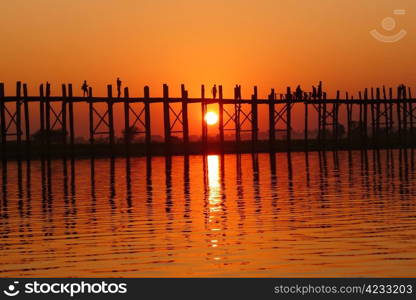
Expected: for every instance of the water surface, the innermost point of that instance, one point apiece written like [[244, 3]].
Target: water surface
[[283, 215]]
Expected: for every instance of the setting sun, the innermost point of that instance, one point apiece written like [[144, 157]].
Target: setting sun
[[211, 118]]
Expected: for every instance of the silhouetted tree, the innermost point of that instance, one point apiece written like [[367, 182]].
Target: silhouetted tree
[[56, 136], [130, 134]]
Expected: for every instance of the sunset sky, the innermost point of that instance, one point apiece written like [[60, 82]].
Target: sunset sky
[[269, 43]]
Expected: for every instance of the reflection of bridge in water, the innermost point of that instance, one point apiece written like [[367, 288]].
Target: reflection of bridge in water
[[221, 197], [212, 177], [389, 114]]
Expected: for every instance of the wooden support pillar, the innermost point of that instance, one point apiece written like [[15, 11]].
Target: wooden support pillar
[[288, 116], [361, 116], [64, 122], [221, 115], [373, 116], [203, 113], [110, 113], [148, 133], [166, 113], [386, 113], [48, 113], [378, 98], [324, 117], [365, 119], [185, 122], [349, 116], [127, 129], [26, 113], [71, 115], [91, 120], [42, 113], [2, 118], [335, 124], [306, 120], [391, 109], [237, 112], [404, 114], [271, 117], [410, 109], [254, 117], [18, 113], [399, 114]]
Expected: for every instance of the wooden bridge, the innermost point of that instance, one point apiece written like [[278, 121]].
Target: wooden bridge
[[386, 111]]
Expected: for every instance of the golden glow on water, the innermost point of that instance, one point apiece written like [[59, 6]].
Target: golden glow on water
[[322, 214]]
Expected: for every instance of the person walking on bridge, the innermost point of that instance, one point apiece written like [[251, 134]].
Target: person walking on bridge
[[118, 87], [84, 88], [214, 91]]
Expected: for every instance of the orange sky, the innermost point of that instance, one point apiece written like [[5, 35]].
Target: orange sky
[[270, 43]]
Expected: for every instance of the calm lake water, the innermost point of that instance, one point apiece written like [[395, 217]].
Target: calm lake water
[[281, 215]]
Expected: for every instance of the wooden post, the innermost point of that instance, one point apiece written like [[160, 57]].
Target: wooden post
[[18, 113], [288, 116], [373, 119], [48, 113], [404, 114], [391, 109], [349, 116], [237, 110], [399, 115], [42, 113], [91, 119], [2, 118], [361, 116], [221, 115], [147, 117], [254, 118], [110, 113], [127, 117], [410, 109], [71, 115], [365, 114], [203, 112], [185, 124], [378, 98], [324, 116], [335, 124], [166, 113], [306, 117], [64, 100], [271, 117], [386, 113], [26, 112]]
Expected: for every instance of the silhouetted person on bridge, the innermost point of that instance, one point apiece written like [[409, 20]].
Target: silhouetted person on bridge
[[237, 92], [118, 87], [214, 91], [84, 88], [298, 93]]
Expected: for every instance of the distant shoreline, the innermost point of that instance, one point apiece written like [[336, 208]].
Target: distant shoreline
[[12, 151]]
